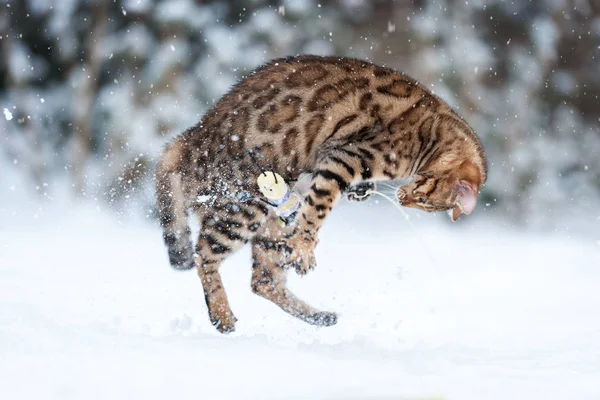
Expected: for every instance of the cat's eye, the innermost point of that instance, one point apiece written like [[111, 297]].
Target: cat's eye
[[422, 200]]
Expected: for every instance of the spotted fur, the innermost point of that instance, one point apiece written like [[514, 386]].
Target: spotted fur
[[346, 121]]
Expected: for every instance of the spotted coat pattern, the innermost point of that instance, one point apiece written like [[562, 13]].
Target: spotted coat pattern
[[347, 121]]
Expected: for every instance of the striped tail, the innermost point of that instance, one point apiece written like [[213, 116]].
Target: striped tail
[[172, 210]]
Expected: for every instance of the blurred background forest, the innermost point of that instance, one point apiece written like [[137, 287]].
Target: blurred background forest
[[91, 90]]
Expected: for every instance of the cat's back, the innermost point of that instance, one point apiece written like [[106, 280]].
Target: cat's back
[[296, 88], [292, 105], [318, 81], [304, 72]]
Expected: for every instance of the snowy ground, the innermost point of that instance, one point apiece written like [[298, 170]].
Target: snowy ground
[[89, 308]]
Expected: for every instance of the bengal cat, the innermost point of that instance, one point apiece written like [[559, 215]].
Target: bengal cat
[[348, 122]]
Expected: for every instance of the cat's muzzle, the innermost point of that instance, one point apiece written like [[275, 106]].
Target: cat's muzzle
[[401, 195]]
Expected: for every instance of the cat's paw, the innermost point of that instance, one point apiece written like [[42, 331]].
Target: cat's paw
[[301, 254], [322, 318], [301, 267], [224, 321], [182, 259], [360, 191]]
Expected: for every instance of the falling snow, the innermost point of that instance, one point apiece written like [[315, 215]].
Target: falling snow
[[203, 198], [510, 312]]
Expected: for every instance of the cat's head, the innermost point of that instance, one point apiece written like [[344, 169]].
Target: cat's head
[[453, 190]]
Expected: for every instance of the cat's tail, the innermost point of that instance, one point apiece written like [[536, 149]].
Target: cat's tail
[[172, 210]]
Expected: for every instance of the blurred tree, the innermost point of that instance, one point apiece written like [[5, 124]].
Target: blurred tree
[[86, 81], [95, 87]]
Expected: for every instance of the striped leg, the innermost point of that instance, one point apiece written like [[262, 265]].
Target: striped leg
[[333, 174], [208, 259], [225, 228], [269, 280]]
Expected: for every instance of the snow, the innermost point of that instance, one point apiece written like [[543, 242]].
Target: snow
[[545, 34], [138, 6], [203, 198], [7, 114], [299, 7], [184, 13], [89, 308]]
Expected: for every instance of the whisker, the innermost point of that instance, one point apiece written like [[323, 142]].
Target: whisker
[[390, 194], [427, 249], [383, 184], [391, 200], [388, 189], [387, 185]]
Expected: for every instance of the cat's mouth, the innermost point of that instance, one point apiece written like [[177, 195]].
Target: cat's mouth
[[406, 200]]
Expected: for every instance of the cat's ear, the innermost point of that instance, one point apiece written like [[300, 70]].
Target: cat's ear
[[470, 173], [466, 199], [469, 181]]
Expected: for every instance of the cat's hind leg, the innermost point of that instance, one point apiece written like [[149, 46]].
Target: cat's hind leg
[[225, 227], [173, 213], [269, 279], [209, 255]]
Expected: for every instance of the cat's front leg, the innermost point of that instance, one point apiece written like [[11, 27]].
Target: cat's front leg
[[337, 169], [325, 190]]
